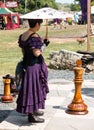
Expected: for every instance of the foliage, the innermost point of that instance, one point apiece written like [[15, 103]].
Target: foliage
[[26, 6], [92, 2], [75, 7]]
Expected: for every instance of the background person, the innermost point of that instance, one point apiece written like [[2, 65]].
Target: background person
[[76, 18]]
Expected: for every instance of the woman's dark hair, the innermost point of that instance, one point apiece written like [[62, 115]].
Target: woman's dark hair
[[32, 22]]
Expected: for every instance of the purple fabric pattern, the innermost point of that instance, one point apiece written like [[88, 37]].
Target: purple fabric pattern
[[32, 42], [83, 4], [34, 88]]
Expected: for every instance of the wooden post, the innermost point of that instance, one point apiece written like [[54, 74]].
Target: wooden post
[[88, 24], [77, 107], [7, 97]]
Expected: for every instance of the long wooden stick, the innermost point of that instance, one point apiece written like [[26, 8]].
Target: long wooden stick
[[46, 29]]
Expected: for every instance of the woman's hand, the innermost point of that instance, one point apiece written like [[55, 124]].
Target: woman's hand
[[46, 41]]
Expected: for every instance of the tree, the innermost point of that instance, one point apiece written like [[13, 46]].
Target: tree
[[25, 6], [75, 6]]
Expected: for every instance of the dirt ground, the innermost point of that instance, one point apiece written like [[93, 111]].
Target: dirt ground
[[62, 40]]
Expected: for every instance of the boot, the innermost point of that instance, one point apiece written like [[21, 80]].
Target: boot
[[39, 113], [34, 119]]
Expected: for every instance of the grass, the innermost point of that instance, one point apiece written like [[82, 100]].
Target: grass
[[10, 53]]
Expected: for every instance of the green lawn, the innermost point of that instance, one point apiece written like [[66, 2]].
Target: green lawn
[[10, 53]]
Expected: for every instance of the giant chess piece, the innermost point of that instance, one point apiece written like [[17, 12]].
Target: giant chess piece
[[7, 97], [77, 106]]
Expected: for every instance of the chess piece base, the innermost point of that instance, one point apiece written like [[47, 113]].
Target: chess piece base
[[7, 99], [76, 112]]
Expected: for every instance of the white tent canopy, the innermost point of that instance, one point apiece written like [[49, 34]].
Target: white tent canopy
[[92, 9], [67, 15], [43, 13]]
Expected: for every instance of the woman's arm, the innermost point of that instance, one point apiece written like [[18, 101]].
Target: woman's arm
[[37, 52]]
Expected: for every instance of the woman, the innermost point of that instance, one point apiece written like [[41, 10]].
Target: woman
[[34, 87]]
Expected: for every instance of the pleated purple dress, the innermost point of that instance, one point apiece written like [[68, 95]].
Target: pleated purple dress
[[34, 87]]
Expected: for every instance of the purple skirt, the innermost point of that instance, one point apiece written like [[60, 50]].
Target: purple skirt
[[32, 94]]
